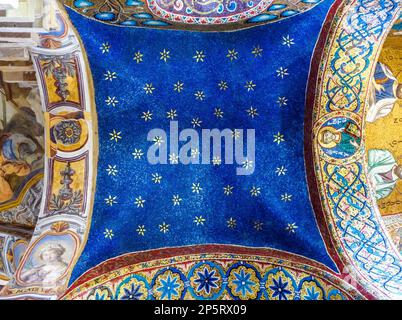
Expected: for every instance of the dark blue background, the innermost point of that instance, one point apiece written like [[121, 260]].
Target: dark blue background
[[134, 176]]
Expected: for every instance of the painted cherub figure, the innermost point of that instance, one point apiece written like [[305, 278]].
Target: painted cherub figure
[[52, 268]]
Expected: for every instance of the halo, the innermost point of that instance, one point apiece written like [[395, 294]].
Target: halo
[[330, 145]]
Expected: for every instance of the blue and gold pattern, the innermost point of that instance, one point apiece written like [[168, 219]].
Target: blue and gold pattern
[[206, 280], [347, 202], [169, 205], [243, 281], [339, 113], [196, 15], [311, 289], [134, 287], [219, 276], [100, 293], [169, 284], [351, 218]]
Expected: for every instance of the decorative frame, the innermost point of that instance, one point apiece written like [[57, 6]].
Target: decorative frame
[[148, 14], [350, 223], [80, 144], [57, 229], [149, 270]]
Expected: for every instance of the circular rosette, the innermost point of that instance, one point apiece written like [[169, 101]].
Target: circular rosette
[[68, 134], [168, 284], [133, 287], [310, 289], [335, 294], [279, 285], [206, 281], [339, 137], [243, 282], [100, 293]]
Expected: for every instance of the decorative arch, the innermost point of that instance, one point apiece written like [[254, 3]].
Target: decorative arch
[[344, 204], [66, 92]]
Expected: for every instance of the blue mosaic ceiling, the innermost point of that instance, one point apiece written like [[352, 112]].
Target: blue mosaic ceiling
[[201, 80]]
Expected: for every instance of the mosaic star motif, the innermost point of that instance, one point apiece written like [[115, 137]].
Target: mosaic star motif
[[172, 114], [139, 202], [312, 294], [147, 115], [111, 170], [291, 227], [164, 55], [258, 225], [194, 153], [199, 220], [168, 288], [257, 51], [248, 164], [279, 138], [255, 191], [232, 55], [141, 230], [199, 95], [196, 188], [108, 233], [173, 158], [132, 293], [176, 200], [236, 134], [280, 171], [282, 72], [137, 154], [105, 47], [158, 140], [243, 282], [111, 200], [196, 122], [149, 88], [164, 227], [111, 101], [250, 85], [114, 135], [199, 56], [178, 86], [156, 178], [223, 85], [287, 41], [252, 112], [218, 113], [110, 76], [216, 161], [138, 57], [279, 289], [282, 101], [228, 190], [206, 280], [286, 197], [231, 223]]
